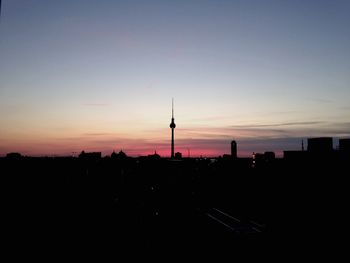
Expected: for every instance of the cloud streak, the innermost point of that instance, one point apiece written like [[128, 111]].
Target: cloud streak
[[304, 123], [95, 104]]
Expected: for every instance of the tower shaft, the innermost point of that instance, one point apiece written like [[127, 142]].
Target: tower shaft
[[172, 143]]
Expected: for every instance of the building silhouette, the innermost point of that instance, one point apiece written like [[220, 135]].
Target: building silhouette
[[178, 155], [269, 156], [90, 155], [295, 156], [119, 156], [154, 156], [344, 145], [172, 126], [14, 155], [320, 145], [233, 149], [263, 159]]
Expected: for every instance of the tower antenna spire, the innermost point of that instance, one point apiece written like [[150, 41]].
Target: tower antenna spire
[[172, 108], [302, 144]]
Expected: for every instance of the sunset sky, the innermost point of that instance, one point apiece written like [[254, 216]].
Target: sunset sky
[[99, 75]]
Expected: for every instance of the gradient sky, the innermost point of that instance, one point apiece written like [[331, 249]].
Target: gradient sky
[[99, 75]]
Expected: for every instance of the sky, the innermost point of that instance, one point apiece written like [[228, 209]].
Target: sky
[[100, 75]]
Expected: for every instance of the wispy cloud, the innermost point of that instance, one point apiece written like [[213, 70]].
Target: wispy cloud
[[210, 118], [275, 130], [320, 100], [303, 123], [97, 134], [95, 104], [344, 107]]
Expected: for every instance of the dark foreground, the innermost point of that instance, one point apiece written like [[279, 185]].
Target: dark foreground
[[147, 206]]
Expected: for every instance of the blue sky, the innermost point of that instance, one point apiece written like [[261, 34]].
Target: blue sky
[[100, 75]]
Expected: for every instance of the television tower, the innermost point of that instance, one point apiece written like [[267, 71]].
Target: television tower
[[172, 126]]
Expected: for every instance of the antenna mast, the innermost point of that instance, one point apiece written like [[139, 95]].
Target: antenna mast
[[172, 108]]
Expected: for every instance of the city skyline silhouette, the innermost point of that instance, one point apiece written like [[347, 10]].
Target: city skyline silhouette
[[98, 76], [186, 206]]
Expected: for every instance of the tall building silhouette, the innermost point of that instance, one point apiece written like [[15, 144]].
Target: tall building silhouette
[[344, 145], [172, 126], [233, 149], [320, 145]]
